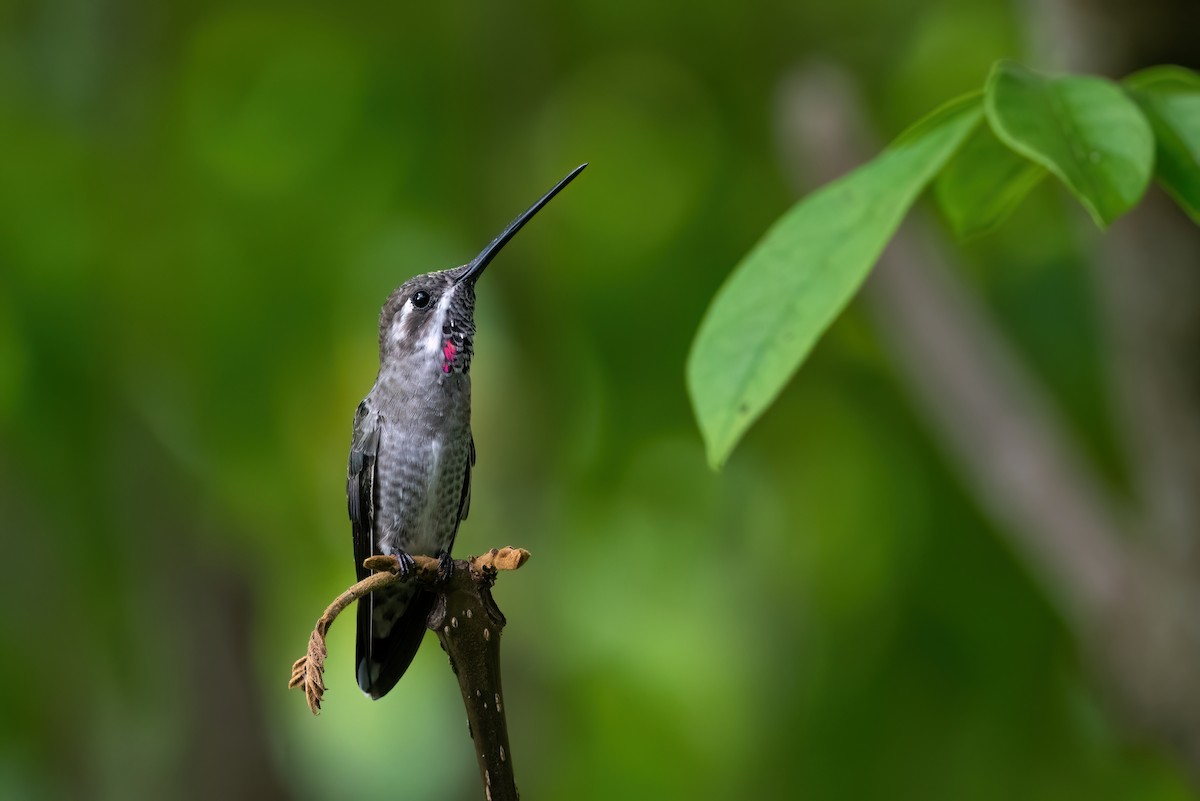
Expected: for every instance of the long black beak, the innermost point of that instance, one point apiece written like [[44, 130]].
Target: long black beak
[[475, 268]]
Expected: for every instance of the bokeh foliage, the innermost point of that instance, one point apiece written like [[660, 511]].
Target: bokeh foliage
[[202, 208], [799, 277]]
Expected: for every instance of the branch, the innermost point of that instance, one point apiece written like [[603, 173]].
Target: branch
[[1151, 306], [468, 624]]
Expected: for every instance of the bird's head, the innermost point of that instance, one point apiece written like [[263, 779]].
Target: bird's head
[[430, 318]]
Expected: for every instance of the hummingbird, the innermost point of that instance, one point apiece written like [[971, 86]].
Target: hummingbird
[[409, 479]]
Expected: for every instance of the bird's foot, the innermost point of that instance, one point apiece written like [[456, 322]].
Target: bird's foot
[[405, 566], [445, 566]]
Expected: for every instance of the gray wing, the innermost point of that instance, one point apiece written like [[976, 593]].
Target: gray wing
[[360, 484], [464, 501]]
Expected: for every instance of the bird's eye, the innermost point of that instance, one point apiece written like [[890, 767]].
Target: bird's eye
[[420, 299]]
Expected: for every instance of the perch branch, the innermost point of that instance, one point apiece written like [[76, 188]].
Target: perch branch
[[468, 625]]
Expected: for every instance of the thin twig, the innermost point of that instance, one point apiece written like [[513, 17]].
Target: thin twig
[[308, 671]]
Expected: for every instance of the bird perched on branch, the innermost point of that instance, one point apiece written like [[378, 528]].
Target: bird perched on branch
[[409, 478]]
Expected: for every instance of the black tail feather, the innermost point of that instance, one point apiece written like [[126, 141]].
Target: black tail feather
[[381, 661]]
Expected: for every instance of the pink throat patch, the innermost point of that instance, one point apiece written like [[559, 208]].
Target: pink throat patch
[[448, 352]]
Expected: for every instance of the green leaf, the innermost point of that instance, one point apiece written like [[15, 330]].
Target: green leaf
[[983, 183], [946, 113], [1084, 130], [776, 303], [1170, 99]]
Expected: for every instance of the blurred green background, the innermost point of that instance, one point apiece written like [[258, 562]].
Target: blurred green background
[[203, 206]]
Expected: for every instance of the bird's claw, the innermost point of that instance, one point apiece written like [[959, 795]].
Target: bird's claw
[[404, 564], [445, 566]]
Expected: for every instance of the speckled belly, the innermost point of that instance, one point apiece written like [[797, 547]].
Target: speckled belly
[[419, 490]]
